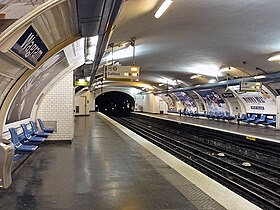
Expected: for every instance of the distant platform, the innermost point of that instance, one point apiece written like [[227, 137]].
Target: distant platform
[[254, 131]]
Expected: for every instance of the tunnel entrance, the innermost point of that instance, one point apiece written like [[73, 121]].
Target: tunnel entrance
[[115, 103]]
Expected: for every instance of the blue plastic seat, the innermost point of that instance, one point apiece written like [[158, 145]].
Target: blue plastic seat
[[241, 118], [19, 147], [250, 119], [262, 119], [189, 113], [270, 121], [195, 114], [34, 131], [43, 128], [215, 115], [208, 115], [220, 115], [273, 121], [228, 117], [29, 138]]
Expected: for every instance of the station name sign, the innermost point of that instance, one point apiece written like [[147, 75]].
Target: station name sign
[[30, 47], [257, 107], [122, 73], [227, 95]]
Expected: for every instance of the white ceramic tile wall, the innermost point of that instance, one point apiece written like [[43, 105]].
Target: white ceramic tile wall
[[57, 105]]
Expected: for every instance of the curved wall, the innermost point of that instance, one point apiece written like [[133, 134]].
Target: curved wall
[[23, 102]]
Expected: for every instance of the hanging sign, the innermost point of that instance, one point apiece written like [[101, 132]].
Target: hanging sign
[[30, 47], [250, 87], [122, 73]]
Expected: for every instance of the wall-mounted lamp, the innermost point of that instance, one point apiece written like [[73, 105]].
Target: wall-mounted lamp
[[163, 8]]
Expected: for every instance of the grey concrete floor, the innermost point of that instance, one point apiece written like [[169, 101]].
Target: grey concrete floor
[[99, 170]]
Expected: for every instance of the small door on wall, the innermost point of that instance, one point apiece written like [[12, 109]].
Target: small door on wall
[[162, 106], [83, 105]]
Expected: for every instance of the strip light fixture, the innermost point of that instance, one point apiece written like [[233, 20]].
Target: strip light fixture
[[275, 57], [196, 76], [162, 8]]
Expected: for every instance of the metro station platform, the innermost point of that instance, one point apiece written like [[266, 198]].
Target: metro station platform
[[255, 131], [109, 167]]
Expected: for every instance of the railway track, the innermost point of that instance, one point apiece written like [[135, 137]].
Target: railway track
[[259, 183]]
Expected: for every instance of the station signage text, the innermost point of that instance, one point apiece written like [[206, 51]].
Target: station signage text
[[30, 46]]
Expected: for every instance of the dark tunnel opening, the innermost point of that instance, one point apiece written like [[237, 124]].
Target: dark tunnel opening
[[115, 103]]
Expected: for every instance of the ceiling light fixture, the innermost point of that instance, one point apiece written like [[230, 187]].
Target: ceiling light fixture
[[163, 7], [224, 68], [275, 57], [195, 76], [206, 70], [260, 77], [212, 81]]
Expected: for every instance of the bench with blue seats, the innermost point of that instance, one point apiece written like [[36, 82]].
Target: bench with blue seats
[[210, 115], [250, 119], [270, 121], [29, 140], [228, 117], [258, 119], [261, 120], [21, 148]]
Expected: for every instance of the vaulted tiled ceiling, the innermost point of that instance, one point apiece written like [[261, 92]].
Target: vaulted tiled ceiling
[[198, 36]]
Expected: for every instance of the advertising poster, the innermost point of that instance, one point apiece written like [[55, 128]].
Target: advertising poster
[[257, 102], [213, 101], [171, 102], [186, 100], [25, 99]]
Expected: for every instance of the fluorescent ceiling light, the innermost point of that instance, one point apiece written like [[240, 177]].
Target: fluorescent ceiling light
[[167, 81], [124, 53], [91, 47], [195, 76], [163, 7], [206, 70], [274, 58], [224, 69], [212, 81], [260, 77], [87, 62]]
